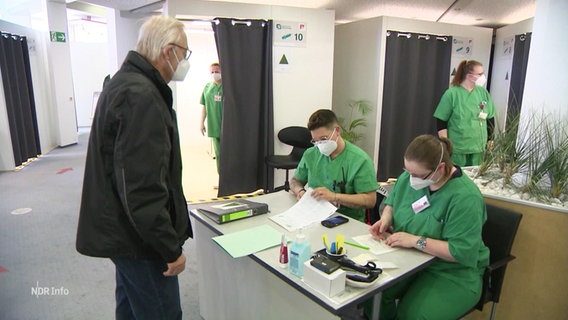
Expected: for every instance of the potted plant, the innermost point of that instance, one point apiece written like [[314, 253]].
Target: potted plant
[[528, 160], [355, 119]]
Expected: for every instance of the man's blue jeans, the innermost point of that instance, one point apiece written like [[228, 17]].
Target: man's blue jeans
[[143, 292]]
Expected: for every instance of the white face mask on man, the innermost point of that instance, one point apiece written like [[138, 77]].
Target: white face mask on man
[[326, 147], [216, 76], [182, 68]]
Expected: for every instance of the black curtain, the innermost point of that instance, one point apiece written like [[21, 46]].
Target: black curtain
[[518, 74], [247, 132], [417, 72], [18, 91]]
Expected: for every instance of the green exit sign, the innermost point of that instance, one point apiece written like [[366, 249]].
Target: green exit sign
[[57, 36]]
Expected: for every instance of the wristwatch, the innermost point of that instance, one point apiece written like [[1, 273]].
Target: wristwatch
[[421, 243]]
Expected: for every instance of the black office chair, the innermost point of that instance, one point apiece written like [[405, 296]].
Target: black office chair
[[299, 138], [374, 214], [498, 234]]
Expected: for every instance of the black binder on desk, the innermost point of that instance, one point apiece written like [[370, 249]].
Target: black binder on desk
[[227, 211]]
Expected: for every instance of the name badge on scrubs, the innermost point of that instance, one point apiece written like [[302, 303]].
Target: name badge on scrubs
[[420, 204], [218, 98], [482, 115]]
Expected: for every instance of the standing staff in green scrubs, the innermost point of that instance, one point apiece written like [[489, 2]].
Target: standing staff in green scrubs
[[437, 209], [212, 101], [466, 114]]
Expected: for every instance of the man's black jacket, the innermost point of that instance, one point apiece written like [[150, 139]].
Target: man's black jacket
[[132, 203]]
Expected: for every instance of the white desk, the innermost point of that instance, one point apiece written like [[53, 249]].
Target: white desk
[[256, 287]]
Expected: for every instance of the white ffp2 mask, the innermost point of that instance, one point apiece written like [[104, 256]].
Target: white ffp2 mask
[[182, 68], [481, 80]]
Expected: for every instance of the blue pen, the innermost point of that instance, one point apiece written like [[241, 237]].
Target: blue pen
[[332, 249]]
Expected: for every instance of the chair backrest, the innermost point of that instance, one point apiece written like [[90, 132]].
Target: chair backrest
[[500, 230], [499, 233], [297, 137]]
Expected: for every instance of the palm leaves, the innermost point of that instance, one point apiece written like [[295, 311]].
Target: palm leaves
[[349, 125]]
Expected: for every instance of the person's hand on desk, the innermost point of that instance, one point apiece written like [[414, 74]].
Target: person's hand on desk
[[381, 229], [402, 239]]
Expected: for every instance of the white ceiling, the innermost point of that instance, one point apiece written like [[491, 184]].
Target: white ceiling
[[487, 13]]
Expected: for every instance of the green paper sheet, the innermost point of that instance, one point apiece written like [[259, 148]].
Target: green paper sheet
[[249, 241]]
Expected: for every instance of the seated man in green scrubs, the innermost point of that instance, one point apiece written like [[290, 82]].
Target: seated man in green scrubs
[[337, 170]]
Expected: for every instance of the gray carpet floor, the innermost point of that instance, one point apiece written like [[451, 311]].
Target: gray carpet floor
[[41, 274]]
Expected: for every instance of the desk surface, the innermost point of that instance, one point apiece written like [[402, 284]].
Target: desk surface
[[408, 261]]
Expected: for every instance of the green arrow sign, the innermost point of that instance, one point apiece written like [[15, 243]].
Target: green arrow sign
[[57, 36]]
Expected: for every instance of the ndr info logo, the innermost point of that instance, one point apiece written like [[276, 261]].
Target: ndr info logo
[[49, 291]]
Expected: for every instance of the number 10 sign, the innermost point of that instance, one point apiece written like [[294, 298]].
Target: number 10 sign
[[290, 34]]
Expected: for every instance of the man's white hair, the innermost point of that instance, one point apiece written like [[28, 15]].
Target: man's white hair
[[156, 33]]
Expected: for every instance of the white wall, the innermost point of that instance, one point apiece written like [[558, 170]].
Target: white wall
[[122, 37], [546, 85], [188, 92], [359, 42], [61, 76], [307, 85], [88, 75], [357, 73], [503, 66]]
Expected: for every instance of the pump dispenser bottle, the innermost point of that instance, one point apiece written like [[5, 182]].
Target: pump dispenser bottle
[[300, 252]]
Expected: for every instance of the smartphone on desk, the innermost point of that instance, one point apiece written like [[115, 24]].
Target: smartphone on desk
[[334, 221]]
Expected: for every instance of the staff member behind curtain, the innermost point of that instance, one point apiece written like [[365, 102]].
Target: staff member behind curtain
[[133, 209], [337, 170], [465, 114], [212, 102], [435, 208]]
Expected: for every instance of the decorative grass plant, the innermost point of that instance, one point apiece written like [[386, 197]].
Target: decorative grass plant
[[529, 157]]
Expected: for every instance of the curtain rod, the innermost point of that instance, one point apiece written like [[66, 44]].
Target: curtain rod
[[420, 36], [7, 34], [216, 21]]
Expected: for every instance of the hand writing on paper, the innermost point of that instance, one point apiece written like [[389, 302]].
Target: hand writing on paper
[[381, 229]]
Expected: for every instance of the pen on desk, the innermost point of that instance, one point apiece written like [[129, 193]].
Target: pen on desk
[[356, 245]]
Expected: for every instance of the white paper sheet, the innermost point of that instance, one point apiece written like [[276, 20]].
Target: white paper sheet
[[376, 246], [305, 212]]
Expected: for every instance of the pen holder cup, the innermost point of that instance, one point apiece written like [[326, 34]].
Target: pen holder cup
[[334, 256]]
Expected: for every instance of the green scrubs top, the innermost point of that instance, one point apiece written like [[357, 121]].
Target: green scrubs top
[[212, 99], [351, 172], [461, 108], [456, 214]]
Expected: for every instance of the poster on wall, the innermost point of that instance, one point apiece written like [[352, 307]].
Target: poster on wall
[[282, 60], [290, 34], [462, 47], [507, 50]]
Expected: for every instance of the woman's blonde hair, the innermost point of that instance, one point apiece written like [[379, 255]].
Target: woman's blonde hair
[[156, 33], [427, 149]]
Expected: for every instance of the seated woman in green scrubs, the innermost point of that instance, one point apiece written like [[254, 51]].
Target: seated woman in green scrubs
[[435, 208]]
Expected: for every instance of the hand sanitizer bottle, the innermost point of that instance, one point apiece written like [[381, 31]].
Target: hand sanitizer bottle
[[300, 252]]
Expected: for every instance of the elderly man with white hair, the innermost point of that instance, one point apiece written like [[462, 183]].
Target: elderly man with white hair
[[133, 209]]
